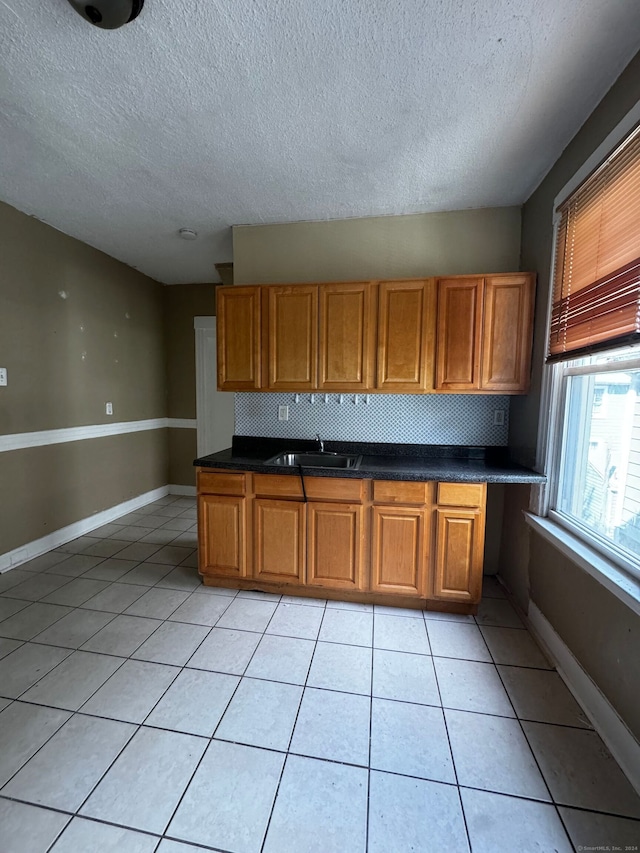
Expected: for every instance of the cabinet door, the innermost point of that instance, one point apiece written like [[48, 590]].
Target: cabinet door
[[347, 336], [279, 541], [222, 535], [405, 321], [293, 337], [459, 334], [238, 336], [459, 555], [335, 546], [399, 553], [507, 333]]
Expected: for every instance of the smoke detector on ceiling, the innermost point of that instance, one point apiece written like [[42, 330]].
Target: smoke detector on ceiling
[[188, 234], [108, 14]]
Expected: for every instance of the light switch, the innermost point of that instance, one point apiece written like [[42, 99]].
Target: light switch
[[283, 413], [498, 417], [108, 408], [3, 375]]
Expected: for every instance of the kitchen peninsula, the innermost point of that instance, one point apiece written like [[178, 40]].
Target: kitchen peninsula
[[404, 526]]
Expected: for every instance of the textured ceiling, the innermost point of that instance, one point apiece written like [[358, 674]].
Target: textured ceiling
[[210, 113]]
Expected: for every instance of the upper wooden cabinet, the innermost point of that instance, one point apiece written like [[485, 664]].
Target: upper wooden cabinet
[[405, 321], [484, 333], [292, 337], [461, 334], [347, 336], [458, 334], [507, 328], [238, 336]]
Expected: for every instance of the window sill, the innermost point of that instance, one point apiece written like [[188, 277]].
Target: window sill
[[618, 582]]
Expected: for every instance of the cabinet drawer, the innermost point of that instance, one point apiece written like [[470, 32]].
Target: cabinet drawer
[[461, 494], [317, 488], [328, 489], [221, 483], [277, 486], [398, 492]]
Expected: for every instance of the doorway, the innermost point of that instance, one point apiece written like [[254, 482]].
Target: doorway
[[215, 412]]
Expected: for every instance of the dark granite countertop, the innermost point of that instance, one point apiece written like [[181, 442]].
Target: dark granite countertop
[[420, 462]]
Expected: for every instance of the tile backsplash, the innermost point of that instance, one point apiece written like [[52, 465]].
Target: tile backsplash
[[403, 418]]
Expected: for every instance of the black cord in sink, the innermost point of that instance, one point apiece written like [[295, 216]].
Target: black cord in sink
[[304, 491]]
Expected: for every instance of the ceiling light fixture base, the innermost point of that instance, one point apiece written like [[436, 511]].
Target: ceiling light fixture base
[[108, 14]]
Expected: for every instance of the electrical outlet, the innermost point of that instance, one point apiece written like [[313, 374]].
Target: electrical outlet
[[3, 375], [108, 408], [283, 413], [498, 417]]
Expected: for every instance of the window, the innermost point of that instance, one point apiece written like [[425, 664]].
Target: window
[[597, 487], [593, 457]]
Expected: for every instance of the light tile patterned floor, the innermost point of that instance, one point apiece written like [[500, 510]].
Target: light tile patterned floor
[[141, 712]]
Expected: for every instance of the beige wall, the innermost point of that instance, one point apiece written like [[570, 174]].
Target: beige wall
[[183, 302], [450, 243], [600, 631], [183, 450], [77, 329], [55, 485]]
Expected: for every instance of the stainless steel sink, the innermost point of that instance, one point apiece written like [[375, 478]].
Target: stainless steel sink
[[315, 460]]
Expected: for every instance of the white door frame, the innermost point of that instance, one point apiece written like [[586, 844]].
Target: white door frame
[[214, 409]]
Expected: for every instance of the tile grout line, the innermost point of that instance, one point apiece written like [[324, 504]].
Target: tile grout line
[[523, 798], [92, 820], [552, 800], [368, 811], [453, 760], [284, 763], [273, 681], [74, 648]]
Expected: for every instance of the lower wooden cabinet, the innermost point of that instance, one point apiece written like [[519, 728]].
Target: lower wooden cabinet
[[421, 543], [398, 550], [334, 555], [459, 555], [279, 540], [222, 535]]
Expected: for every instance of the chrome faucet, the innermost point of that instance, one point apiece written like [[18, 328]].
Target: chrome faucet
[[320, 442]]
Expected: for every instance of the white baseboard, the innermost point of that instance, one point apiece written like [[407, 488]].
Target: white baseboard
[[189, 491], [65, 534], [605, 719]]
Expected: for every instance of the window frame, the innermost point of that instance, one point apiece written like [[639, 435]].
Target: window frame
[[605, 546], [553, 394]]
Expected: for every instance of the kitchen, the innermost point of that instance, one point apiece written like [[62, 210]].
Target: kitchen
[[481, 328]]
